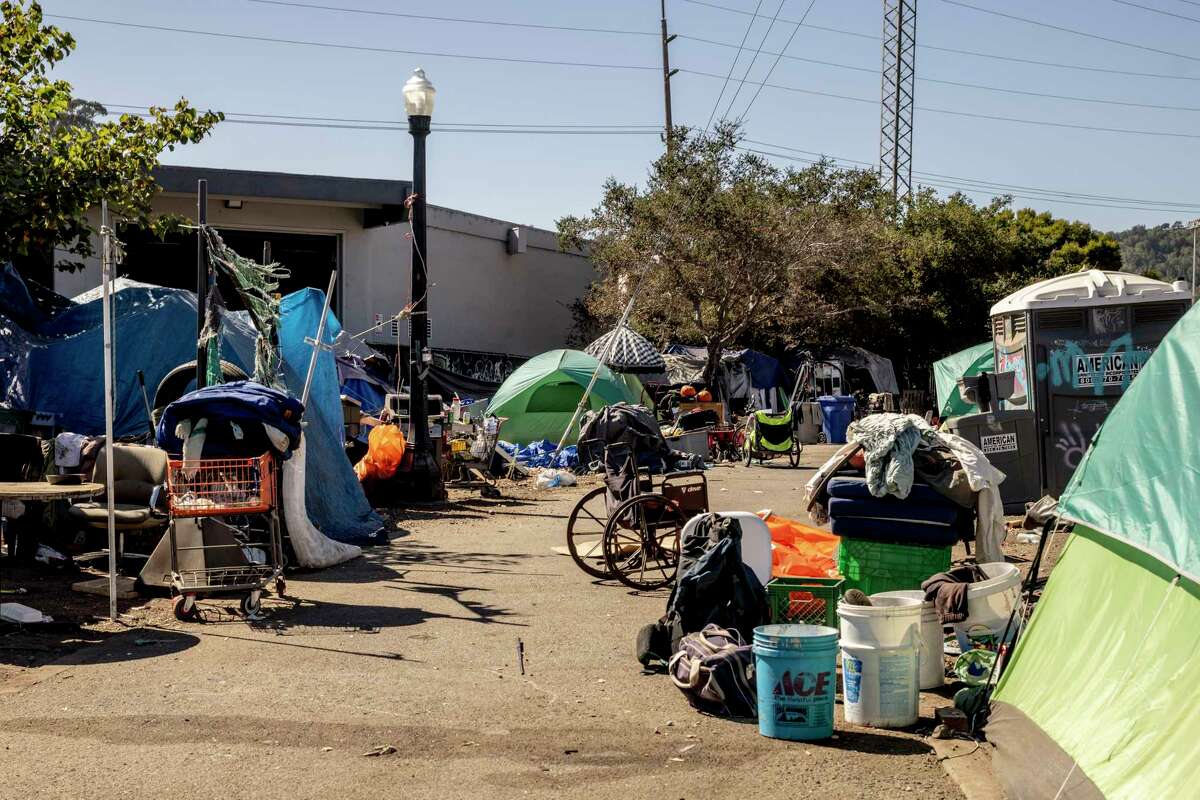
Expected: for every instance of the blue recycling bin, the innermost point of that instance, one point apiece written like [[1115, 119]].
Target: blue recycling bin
[[836, 416]]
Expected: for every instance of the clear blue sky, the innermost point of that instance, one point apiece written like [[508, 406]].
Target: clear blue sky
[[534, 179]]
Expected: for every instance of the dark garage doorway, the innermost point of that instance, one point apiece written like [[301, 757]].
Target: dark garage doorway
[[171, 261]]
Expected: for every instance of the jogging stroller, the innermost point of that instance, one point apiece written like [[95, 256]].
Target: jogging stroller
[[771, 435]]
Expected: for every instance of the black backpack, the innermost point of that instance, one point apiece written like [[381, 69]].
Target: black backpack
[[712, 587]]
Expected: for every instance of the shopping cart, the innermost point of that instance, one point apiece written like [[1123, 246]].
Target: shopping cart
[[224, 532], [471, 458]]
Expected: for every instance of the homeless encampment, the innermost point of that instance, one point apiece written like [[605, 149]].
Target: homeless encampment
[[50, 346], [1101, 694]]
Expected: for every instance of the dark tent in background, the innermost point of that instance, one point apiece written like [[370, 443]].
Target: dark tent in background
[[746, 376]]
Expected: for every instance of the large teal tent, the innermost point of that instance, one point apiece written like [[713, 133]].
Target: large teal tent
[[1100, 698], [946, 373], [539, 398]]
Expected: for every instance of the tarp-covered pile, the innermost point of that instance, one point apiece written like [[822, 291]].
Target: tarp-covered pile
[[1101, 695]]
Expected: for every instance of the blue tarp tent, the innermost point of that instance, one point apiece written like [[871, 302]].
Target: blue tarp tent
[[50, 362]]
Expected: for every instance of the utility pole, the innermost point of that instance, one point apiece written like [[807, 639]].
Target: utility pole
[[201, 280], [1195, 229], [898, 79], [667, 73]]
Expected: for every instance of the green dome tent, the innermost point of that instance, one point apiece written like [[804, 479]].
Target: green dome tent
[[541, 395], [946, 373], [1101, 695]]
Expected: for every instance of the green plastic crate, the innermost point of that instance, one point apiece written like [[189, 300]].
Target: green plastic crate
[[881, 567], [804, 601]]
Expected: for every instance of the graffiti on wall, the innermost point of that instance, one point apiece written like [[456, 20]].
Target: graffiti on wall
[[488, 367], [1072, 366]]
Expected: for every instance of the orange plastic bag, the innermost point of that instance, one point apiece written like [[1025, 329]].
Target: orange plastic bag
[[801, 551], [385, 451]]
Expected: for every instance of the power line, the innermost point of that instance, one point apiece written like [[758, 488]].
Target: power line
[[761, 43], [982, 87], [778, 57], [360, 48], [993, 185], [984, 191], [972, 114], [449, 128], [1158, 10], [1072, 31], [464, 20], [732, 66], [654, 126], [953, 50]]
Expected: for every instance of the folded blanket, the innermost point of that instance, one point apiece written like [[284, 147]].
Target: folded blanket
[[856, 489], [941, 514], [895, 531]]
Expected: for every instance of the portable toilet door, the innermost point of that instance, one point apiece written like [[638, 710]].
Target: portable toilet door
[[1075, 343]]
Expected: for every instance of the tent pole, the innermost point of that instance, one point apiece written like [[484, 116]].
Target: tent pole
[[612, 340], [318, 343], [106, 282]]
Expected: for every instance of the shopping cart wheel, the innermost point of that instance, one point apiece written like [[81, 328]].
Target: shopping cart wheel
[[280, 587], [185, 608], [251, 604]]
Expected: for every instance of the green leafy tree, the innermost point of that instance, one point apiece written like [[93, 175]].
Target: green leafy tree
[[721, 245], [1163, 251], [57, 161]]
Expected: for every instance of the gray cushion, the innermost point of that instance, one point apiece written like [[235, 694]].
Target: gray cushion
[[126, 515]]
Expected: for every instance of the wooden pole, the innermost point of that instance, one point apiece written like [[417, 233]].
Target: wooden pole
[[106, 302]]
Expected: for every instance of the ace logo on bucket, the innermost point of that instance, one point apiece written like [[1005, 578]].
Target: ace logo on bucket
[[801, 698]]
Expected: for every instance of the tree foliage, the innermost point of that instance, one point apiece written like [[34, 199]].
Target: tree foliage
[[56, 161], [722, 245], [737, 252], [1163, 251]]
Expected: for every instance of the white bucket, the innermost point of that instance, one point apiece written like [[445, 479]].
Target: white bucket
[[931, 664], [991, 601], [879, 685], [891, 622]]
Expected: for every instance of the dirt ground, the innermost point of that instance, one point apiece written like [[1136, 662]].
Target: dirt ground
[[414, 647]]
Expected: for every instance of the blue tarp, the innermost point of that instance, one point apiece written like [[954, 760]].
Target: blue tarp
[[233, 411], [53, 365], [334, 497], [542, 454], [765, 372]]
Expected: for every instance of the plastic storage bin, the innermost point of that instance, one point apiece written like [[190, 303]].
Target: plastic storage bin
[[806, 601], [877, 567]]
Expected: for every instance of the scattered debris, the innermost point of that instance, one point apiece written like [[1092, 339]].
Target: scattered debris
[[326, 749], [380, 750]]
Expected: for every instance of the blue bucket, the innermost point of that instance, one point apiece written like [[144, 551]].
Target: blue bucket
[[796, 678]]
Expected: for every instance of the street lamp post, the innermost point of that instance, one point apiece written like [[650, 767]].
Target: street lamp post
[[426, 472]]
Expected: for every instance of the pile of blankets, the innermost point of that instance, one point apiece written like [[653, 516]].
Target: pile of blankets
[[920, 486]]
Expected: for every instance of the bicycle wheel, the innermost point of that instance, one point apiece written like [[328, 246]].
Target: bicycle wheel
[[794, 453], [585, 533], [641, 541]]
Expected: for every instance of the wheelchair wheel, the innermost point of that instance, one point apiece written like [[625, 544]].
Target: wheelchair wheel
[[585, 533], [794, 453], [641, 542]]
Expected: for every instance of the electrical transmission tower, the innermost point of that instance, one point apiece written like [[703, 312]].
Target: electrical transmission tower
[[896, 117]]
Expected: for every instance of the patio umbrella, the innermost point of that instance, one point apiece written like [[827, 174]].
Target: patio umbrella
[[628, 351]]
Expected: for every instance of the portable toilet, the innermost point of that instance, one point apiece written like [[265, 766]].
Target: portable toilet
[[1073, 344]]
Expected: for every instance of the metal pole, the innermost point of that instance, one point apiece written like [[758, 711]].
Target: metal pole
[[319, 342], [106, 282], [608, 348], [201, 279], [266, 259], [418, 414], [667, 73]]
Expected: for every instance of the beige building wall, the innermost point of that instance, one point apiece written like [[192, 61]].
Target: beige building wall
[[481, 298]]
